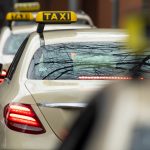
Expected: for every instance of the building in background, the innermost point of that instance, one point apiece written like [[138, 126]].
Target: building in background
[[5, 6], [99, 10]]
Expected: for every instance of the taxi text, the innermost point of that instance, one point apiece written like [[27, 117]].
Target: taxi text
[[20, 16], [57, 16]]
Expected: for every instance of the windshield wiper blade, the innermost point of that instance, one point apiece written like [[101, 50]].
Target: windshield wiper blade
[[56, 71], [135, 71], [63, 74]]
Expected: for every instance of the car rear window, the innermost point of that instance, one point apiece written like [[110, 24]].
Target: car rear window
[[13, 43], [71, 61]]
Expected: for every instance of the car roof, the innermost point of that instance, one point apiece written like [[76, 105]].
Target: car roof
[[84, 35]]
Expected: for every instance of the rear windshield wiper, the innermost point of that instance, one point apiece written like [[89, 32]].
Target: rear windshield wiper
[[135, 71], [63, 68]]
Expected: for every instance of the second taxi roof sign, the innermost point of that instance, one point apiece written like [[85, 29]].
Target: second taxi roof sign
[[56, 17], [19, 16]]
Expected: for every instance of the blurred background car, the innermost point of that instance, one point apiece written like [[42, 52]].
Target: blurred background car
[[116, 118], [11, 37]]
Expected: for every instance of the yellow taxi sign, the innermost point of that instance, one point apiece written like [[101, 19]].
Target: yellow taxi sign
[[30, 6], [56, 17], [19, 16]]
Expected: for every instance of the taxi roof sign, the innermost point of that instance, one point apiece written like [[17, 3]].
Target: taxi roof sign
[[56, 17], [19, 16], [30, 6]]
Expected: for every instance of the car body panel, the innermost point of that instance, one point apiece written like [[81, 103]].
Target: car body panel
[[51, 92]]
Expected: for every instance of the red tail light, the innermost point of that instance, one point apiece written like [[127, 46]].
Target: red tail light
[[22, 118], [3, 75]]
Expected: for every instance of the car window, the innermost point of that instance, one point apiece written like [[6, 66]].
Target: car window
[[74, 60], [16, 59], [13, 43]]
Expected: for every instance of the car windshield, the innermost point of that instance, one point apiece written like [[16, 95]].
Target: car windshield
[[13, 43], [71, 61]]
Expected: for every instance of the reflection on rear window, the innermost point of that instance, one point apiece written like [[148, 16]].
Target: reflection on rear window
[[13, 43], [70, 61]]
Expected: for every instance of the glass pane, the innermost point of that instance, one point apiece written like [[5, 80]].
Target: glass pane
[[13, 43], [73, 60]]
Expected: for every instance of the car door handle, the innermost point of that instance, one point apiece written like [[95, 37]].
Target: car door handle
[[63, 105]]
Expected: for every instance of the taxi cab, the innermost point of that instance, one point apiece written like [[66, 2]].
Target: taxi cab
[[12, 36], [51, 78]]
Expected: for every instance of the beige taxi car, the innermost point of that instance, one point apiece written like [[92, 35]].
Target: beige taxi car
[[117, 118], [52, 77]]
